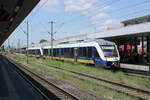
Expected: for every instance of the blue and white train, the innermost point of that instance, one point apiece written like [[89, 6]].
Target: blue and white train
[[100, 53]]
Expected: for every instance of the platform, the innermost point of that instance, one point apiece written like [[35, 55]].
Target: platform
[[13, 86], [135, 67]]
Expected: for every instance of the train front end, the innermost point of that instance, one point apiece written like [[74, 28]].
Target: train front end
[[111, 55]]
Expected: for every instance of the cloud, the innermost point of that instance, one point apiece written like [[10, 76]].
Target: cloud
[[109, 24], [97, 15], [78, 5], [49, 5], [88, 8]]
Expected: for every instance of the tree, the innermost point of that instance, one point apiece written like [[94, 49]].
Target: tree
[[43, 40]]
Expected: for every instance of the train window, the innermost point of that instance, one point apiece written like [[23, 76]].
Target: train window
[[29, 51], [84, 50], [96, 53], [80, 52], [37, 52], [50, 51], [54, 52], [62, 51], [66, 52], [75, 52], [109, 51], [45, 51], [33, 52], [71, 52], [89, 50], [57, 52]]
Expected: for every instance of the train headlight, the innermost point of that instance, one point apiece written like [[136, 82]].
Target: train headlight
[[114, 64]]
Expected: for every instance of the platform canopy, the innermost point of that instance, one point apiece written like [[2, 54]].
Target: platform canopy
[[128, 31], [12, 13]]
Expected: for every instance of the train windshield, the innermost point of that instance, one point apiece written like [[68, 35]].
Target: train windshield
[[109, 50]]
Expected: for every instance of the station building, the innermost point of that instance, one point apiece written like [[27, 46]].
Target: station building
[[133, 40]]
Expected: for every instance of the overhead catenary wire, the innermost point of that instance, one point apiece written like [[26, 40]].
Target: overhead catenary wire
[[109, 3], [38, 9], [20, 27], [122, 8], [122, 16], [136, 12], [68, 20], [61, 25], [130, 6], [112, 12], [117, 10], [76, 17]]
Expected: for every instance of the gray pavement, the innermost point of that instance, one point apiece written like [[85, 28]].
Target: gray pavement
[[135, 67], [13, 86]]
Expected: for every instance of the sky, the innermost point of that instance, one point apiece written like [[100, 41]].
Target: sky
[[74, 17]]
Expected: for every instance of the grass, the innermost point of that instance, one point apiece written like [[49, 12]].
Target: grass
[[99, 72], [87, 83]]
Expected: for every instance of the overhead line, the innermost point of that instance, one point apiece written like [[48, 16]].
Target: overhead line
[[38, 9], [127, 7], [72, 19], [61, 25], [136, 12], [22, 30], [122, 15], [130, 6]]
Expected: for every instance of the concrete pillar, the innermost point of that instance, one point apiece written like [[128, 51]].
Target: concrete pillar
[[142, 49], [136, 49], [148, 44], [130, 43], [125, 52], [136, 58]]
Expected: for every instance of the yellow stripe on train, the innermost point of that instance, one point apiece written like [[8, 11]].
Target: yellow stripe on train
[[70, 59], [85, 61]]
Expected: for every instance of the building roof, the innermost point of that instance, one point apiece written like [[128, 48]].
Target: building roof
[[137, 20], [133, 30]]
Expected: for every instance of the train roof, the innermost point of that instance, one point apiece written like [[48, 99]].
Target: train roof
[[104, 42], [30, 48], [83, 44]]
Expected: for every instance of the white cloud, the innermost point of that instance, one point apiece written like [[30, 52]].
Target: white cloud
[[87, 8], [79, 5], [104, 8], [50, 5], [112, 21], [98, 17], [109, 24]]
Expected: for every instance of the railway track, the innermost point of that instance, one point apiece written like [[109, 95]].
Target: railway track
[[130, 90], [24, 72], [123, 88], [137, 75], [144, 74]]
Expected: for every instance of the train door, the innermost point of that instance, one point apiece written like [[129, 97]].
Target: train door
[[97, 59], [89, 53], [75, 54]]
